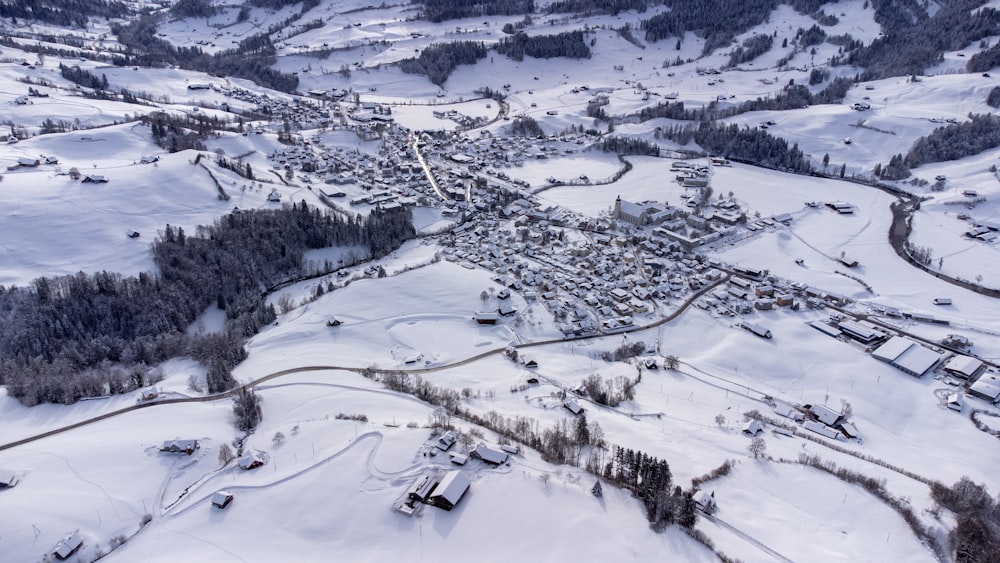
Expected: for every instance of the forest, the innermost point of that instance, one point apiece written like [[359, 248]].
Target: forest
[[567, 44], [69, 337], [913, 40], [717, 21], [442, 10], [610, 7], [956, 140], [70, 13], [252, 59], [437, 60]]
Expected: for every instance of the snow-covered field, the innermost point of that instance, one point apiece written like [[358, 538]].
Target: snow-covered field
[[329, 484]]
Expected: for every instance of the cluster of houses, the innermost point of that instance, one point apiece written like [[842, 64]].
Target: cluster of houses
[[986, 231], [750, 290], [589, 277], [32, 162], [390, 179], [446, 491]]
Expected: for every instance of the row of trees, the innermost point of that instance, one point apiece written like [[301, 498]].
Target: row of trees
[[792, 96], [69, 337], [747, 144]]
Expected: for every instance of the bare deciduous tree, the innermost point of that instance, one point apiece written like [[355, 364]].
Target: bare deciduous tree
[[757, 448]]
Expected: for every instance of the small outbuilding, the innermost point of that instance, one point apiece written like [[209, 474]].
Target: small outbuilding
[[222, 499], [8, 479], [95, 179]]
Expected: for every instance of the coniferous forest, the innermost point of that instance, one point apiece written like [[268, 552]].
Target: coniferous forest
[[69, 337]]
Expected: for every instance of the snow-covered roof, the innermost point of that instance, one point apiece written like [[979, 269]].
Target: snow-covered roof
[[68, 545], [753, 427], [821, 429], [490, 455], [825, 414], [452, 487], [252, 458], [963, 365], [987, 386], [907, 355]]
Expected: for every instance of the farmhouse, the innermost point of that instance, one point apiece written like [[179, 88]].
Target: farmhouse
[[488, 454], [753, 427], [825, 414], [446, 440], [222, 499], [29, 162], [907, 355], [94, 179], [68, 546], [965, 367], [987, 387], [450, 490], [252, 459], [180, 446]]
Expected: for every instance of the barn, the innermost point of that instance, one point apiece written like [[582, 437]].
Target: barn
[[450, 490], [907, 355]]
